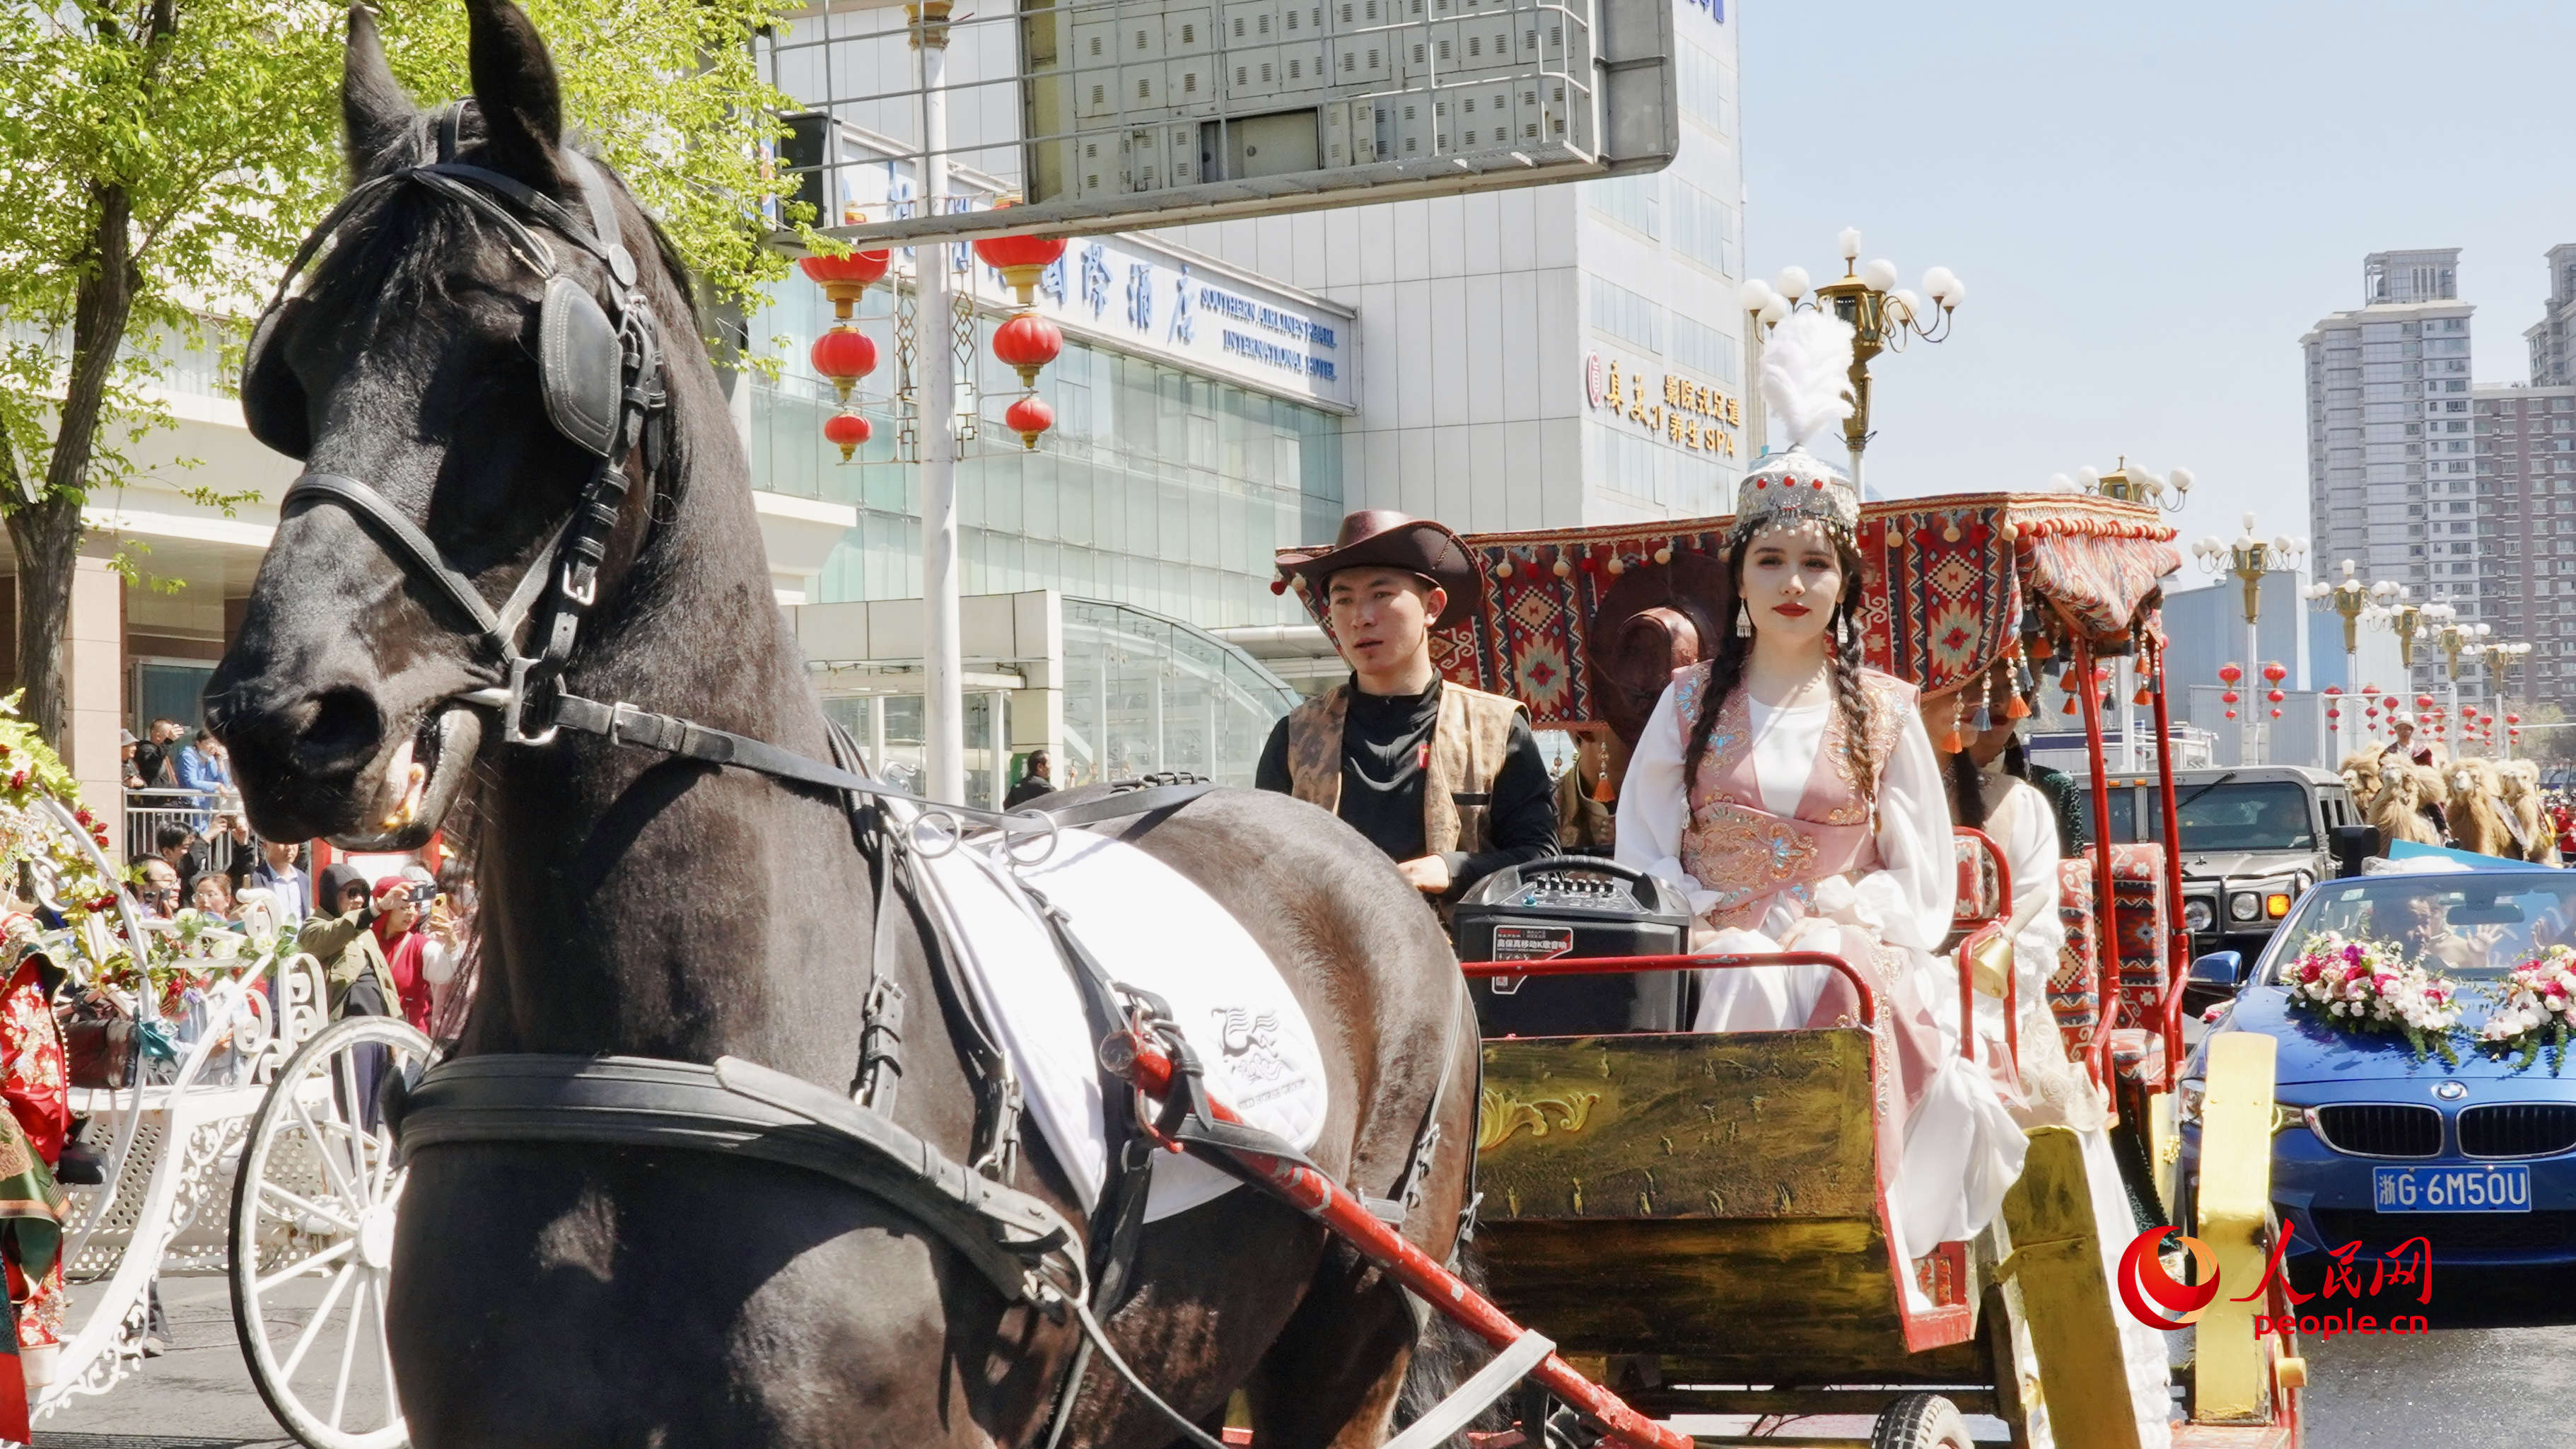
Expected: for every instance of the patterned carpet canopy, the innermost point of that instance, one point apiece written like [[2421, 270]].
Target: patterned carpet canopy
[[1948, 580]]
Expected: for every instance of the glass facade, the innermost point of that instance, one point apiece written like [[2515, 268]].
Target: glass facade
[[1145, 693], [1157, 487]]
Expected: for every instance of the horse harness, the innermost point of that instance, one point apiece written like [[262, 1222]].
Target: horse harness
[[606, 389]]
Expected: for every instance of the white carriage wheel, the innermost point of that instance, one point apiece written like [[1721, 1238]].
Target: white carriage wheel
[[314, 1198]]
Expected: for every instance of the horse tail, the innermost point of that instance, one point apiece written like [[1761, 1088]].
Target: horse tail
[[1446, 1355]]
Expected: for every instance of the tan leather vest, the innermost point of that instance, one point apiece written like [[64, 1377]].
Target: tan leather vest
[[1467, 750]]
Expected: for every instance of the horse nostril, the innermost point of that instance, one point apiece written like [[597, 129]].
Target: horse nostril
[[345, 725]]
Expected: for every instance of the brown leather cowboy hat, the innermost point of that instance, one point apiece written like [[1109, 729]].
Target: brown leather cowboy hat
[[1656, 619], [1384, 538]]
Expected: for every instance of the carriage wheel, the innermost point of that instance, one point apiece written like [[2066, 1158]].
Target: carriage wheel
[[1921, 1421], [312, 1237]]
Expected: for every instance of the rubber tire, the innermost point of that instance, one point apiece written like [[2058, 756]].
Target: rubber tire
[[1921, 1421]]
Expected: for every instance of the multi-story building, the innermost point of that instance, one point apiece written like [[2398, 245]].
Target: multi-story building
[[1549, 356], [2526, 440], [2391, 455], [2553, 337]]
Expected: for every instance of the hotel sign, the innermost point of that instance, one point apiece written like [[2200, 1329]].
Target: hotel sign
[[1684, 411], [1199, 315]]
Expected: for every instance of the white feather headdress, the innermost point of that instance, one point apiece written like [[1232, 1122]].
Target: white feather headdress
[[1806, 377], [1806, 373]]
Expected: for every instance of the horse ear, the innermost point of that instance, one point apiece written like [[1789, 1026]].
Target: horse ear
[[514, 85], [374, 111]]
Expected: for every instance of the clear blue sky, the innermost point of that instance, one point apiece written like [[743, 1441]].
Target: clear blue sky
[[2149, 205]]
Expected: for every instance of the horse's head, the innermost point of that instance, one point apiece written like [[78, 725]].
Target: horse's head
[[443, 352]]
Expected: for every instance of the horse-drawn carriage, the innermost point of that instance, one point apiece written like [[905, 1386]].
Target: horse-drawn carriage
[[1703, 1218], [235, 1136]]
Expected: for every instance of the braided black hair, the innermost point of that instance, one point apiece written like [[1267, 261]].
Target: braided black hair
[[1726, 660]]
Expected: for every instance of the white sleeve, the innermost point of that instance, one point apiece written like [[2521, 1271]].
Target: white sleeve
[[1918, 880], [2030, 853], [1654, 809]]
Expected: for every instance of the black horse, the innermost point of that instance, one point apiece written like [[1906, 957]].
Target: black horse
[[649, 905]]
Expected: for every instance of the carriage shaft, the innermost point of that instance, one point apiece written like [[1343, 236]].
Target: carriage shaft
[[1149, 1070]]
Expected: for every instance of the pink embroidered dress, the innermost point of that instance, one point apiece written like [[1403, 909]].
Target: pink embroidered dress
[[1794, 836]]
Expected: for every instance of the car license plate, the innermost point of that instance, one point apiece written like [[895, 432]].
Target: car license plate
[[2503, 1188]]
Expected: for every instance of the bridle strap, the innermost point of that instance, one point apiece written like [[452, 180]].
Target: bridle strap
[[412, 548]]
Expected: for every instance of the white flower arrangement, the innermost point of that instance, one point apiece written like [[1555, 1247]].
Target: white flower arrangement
[[2370, 987], [2535, 1006]]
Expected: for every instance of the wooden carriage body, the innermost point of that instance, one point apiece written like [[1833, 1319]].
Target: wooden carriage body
[[1716, 1206]]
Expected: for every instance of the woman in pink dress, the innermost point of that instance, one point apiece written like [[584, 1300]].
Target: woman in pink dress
[[1792, 794]]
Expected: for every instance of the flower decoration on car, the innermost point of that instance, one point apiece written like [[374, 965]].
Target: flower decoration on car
[[2535, 1006], [2369, 987]]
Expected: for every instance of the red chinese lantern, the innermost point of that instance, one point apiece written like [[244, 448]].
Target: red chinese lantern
[[2276, 671], [2276, 714], [843, 278], [848, 430], [2229, 673], [2231, 714], [2277, 697], [1027, 342], [2334, 714], [1021, 260], [843, 355], [2228, 698], [2513, 719], [1029, 417], [2423, 701]]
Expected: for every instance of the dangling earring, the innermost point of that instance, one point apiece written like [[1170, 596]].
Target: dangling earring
[[1743, 620]]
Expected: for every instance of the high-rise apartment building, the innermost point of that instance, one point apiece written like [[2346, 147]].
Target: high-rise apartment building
[[2392, 480], [2526, 452], [2553, 337]]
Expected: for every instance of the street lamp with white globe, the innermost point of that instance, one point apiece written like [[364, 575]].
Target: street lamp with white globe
[[2247, 558], [1883, 317]]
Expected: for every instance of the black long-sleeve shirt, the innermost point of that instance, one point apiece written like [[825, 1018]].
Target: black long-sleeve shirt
[[1385, 739]]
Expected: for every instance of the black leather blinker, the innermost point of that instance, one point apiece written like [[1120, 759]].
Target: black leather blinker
[[583, 366]]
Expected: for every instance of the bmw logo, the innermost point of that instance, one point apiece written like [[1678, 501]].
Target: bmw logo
[[2451, 1091]]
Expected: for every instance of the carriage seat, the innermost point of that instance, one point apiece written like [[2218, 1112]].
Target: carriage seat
[[2074, 990], [2138, 884]]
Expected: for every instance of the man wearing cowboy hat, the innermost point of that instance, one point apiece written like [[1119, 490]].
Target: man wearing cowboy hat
[[1447, 780]]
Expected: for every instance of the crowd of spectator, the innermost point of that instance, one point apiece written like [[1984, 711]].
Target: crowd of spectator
[[394, 945]]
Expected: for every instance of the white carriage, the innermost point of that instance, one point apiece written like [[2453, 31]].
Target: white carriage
[[247, 1144]]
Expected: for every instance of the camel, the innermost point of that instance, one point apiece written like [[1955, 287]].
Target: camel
[[2537, 833], [2476, 807], [2361, 779], [2398, 808]]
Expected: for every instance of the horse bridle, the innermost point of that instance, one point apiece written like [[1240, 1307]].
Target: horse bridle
[[605, 388]]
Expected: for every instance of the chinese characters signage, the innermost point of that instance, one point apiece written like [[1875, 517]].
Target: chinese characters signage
[[1138, 298], [1687, 413]]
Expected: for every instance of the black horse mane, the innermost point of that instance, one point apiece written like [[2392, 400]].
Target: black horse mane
[[399, 247]]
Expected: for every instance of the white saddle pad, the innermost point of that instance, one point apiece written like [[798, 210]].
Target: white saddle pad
[[1151, 928]]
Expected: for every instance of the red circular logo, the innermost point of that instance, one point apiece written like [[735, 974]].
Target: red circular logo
[[2140, 1268], [1594, 385]]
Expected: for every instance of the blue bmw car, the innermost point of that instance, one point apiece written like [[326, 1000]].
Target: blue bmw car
[[2375, 1146]]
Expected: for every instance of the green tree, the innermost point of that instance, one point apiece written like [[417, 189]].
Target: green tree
[[161, 160]]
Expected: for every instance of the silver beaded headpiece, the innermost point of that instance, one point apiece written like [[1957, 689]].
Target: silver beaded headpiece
[[1796, 486]]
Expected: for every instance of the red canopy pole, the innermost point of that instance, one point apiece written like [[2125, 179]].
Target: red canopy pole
[[2178, 944], [2107, 902]]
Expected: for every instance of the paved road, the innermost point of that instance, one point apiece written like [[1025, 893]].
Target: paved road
[[197, 1396], [2463, 1386]]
